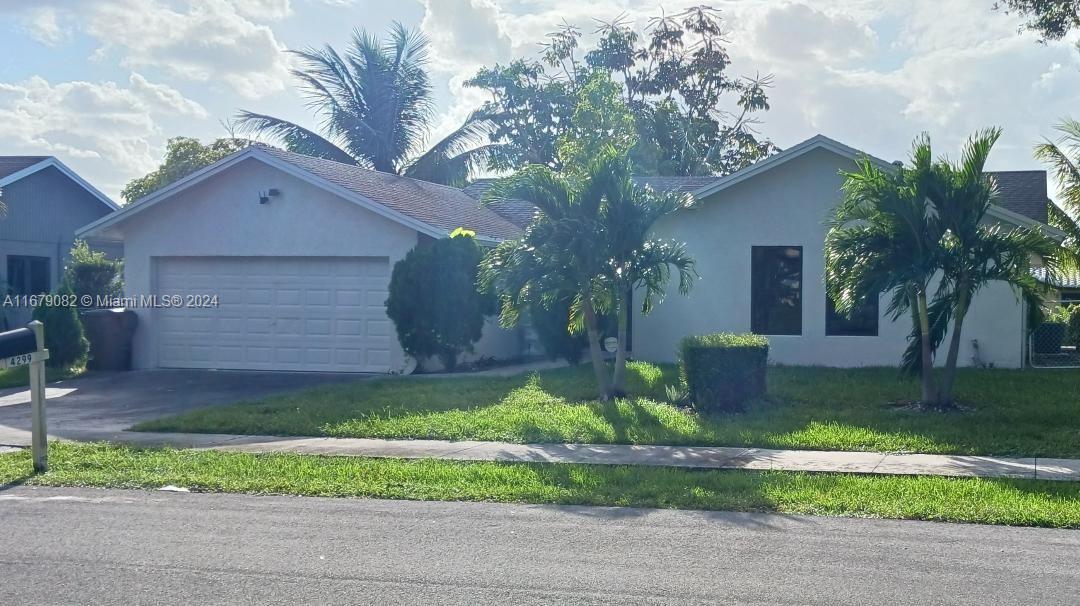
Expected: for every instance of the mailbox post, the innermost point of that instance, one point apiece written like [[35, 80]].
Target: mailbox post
[[20, 347], [39, 445]]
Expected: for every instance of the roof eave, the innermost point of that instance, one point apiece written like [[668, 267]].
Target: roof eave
[[53, 162]]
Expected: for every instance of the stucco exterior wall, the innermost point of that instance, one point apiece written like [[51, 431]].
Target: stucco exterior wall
[[222, 217], [43, 211], [789, 206]]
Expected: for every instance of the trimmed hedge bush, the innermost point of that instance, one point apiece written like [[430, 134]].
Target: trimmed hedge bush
[[722, 371], [1073, 331], [550, 324]]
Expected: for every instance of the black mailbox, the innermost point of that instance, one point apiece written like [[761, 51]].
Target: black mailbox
[[17, 342]]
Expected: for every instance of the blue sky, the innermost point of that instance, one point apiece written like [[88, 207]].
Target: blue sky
[[103, 83]]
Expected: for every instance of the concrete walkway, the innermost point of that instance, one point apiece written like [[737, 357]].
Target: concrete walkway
[[707, 457]]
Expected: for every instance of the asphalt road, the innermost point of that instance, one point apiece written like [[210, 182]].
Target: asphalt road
[[76, 546]]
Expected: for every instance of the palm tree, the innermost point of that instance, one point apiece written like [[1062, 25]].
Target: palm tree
[[376, 107], [637, 262], [1063, 159], [976, 252], [896, 231], [590, 239], [883, 239]]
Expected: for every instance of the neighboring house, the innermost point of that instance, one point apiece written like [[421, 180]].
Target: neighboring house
[[758, 238], [46, 202], [1066, 287], [299, 252]]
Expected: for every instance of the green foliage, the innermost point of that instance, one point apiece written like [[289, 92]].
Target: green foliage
[[1062, 157], [434, 301], [375, 106], [897, 229], [92, 273], [1051, 19], [675, 81], [1069, 316], [551, 324], [601, 119], [183, 156], [64, 336], [722, 371]]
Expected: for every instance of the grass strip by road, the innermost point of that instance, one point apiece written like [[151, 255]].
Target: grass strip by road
[[1007, 412], [20, 375], [1013, 502]]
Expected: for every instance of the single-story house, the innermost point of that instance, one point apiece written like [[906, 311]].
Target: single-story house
[[298, 251], [46, 202]]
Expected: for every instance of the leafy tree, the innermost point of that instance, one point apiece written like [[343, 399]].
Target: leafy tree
[[183, 156], [64, 336], [675, 81], [900, 231], [92, 273], [434, 302], [375, 104], [1052, 19]]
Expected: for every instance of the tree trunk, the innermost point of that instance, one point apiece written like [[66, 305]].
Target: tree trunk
[[603, 384], [947, 380], [619, 380], [929, 391]]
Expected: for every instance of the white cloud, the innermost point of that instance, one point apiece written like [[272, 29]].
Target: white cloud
[[107, 128], [464, 34], [43, 24]]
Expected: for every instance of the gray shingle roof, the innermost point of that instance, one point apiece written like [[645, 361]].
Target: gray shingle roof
[[1023, 192], [444, 208], [1070, 280], [681, 184], [518, 212], [12, 164]]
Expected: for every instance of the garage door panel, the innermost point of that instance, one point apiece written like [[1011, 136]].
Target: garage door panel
[[286, 313]]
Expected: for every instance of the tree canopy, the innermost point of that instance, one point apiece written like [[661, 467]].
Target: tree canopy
[[183, 156], [690, 115]]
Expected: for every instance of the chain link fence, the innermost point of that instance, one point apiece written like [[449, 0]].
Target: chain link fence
[[1056, 342]]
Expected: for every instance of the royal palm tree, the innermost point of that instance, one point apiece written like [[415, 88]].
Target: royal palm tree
[[590, 238], [376, 108]]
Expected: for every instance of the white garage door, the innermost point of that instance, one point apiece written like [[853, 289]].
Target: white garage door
[[276, 313]]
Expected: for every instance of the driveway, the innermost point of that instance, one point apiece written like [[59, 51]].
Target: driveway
[[110, 402]]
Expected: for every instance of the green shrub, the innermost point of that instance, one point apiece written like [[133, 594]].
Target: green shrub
[[1073, 323], [722, 371], [434, 303], [92, 273], [64, 336], [550, 324]]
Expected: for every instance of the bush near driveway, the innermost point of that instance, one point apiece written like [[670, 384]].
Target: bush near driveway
[[722, 371]]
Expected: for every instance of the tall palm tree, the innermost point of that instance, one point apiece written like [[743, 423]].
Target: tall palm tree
[[591, 239], [883, 239], [1063, 159], [375, 105]]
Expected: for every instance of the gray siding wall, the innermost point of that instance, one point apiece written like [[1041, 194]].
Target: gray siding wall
[[43, 212]]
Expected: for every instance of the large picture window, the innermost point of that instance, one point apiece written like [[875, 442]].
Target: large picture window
[[863, 321], [776, 290], [28, 275]]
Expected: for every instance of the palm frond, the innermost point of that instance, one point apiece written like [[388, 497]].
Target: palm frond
[[295, 138]]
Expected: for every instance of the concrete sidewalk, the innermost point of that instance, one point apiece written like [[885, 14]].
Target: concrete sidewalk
[[706, 457]]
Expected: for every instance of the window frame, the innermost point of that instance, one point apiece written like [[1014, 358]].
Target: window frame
[[755, 285], [831, 316], [28, 262]]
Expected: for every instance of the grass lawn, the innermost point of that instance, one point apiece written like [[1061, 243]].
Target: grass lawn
[[20, 375], [1012, 412], [1015, 502]]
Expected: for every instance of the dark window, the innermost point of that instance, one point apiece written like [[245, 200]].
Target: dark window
[[776, 290], [863, 321], [1070, 296], [28, 275]]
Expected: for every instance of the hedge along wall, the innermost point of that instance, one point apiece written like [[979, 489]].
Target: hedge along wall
[[722, 371]]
